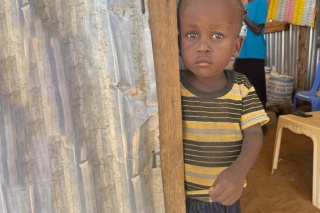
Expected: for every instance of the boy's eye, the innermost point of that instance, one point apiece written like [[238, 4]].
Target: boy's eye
[[217, 36], [192, 35]]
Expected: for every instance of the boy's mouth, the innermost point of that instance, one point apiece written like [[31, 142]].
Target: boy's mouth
[[203, 62]]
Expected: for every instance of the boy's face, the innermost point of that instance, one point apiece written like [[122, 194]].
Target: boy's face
[[209, 32]]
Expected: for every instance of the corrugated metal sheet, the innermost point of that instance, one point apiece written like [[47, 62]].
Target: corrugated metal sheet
[[78, 108], [282, 52], [78, 105]]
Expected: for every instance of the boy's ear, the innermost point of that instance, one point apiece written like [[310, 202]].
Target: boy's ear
[[237, 46]]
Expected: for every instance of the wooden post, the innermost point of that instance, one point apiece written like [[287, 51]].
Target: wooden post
[[164, 33], [302, 60], [317, 26]]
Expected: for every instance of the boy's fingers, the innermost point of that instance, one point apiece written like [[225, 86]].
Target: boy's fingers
[[211, 194]]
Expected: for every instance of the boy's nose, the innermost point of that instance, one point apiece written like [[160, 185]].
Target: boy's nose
[[203, 45]]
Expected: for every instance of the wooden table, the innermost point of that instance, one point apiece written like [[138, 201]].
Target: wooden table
[[309, 126]]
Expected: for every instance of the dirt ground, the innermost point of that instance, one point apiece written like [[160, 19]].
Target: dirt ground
[[289, 189]]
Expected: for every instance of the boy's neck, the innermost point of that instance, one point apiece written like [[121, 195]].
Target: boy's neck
[[206, 84]]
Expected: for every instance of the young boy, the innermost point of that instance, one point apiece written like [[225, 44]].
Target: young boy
[[221, 112]]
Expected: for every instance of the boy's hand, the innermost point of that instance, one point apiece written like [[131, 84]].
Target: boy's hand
[[228, 187]]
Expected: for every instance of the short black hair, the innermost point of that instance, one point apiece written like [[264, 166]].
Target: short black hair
[[237, 2]]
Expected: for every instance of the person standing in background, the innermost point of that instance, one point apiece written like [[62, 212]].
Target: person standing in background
[[251, 60]]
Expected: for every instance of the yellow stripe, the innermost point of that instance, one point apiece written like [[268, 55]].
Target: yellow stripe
[[298, 12], [231, 95], [272, 11], [252, 114], [204, 170], [186, 93], [209, 125], [262, 122], [200, 181], [212, 138]]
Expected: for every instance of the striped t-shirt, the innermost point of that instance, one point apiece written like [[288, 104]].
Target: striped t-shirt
[[212, 129]]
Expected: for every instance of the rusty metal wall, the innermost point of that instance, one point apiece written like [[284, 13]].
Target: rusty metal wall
[[282, 52], [78, 108]]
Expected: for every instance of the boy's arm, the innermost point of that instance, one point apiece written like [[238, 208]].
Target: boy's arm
[[228, 186]]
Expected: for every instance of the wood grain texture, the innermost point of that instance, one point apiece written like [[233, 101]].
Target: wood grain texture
[[302, 62], [276, 26], [163, 24]]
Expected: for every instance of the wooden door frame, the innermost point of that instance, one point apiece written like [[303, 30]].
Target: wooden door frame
[[164, 33]]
